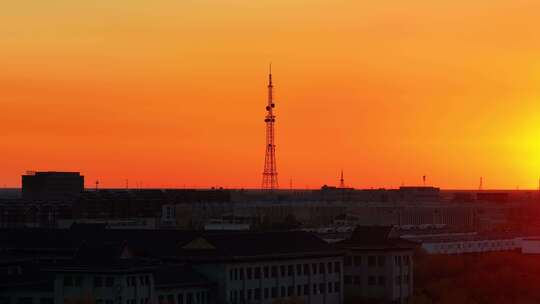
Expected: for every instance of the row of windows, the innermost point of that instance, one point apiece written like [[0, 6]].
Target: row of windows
[[353, 260], [285, 291], [283, 270], [106, 281], [373, 261], [402, 279], [25, 300], [199, 297], [74, 281], [102, 281], [484, 244], [398, 260], [143, 280], [374, 280]]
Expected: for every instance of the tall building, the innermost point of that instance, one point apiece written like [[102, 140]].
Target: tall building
[[52, 186], [270, 181]]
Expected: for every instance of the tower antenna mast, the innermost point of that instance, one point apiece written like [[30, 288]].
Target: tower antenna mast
[[341, 180], [270, 181]]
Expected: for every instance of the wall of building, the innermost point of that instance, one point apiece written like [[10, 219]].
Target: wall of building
[[379, 274], [267, 281]]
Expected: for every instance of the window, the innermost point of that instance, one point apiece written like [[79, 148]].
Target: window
[[241, 273], [290, 270], [68, 281], [348, 261], [306, 269], [257, 293], [406, 279], [266, 272], [274, 292], [398, 280], [357, 260], [306, 289], [329, 287], [25, 300], [381, 260], [314, 289], [249, 294], [248, 273], [282, 269], [298, 290], [397, 260], [406, 258], [322, 288], [98, 282], [236, 273], [189, 298], [329, 270], [180, 298], [382, 280], [282, 291], [372, 261], [298, 269], [147, 280], [321, 268], [357, 280], [314, 268], [290, 291], [258, 273], [266, 293], [337, 287], [274, 271], [348, 280], [109, 281], [231, 274], [242, 299], [371, 280], [48, 301], [170, 299], [337, 267]]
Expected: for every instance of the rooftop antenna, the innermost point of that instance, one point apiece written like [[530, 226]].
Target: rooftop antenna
[[424, 180], [480, 187], [341, 180], [97, 185], [290, 183]]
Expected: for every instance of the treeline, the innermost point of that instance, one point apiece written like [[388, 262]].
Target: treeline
[[487, 278]]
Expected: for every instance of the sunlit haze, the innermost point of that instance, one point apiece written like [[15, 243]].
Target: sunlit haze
[[172, 93]]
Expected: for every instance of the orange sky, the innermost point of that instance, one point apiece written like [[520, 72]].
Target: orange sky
[[172, 93]]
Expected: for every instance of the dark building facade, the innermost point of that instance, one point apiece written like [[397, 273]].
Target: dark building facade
[[167, 267], [52, 186]]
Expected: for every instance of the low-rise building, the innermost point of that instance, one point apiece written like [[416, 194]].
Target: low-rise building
[[460, 243], [377, 266], [172, 267]]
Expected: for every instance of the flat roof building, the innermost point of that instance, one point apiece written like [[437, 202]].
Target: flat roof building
[[52, 186]]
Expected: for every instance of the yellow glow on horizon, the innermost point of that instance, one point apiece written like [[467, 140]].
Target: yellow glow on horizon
[[172, 93]]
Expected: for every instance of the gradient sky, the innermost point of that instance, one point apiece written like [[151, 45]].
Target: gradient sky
[[172, 93]]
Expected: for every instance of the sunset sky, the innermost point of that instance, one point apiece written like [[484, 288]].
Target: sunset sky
[[171, 93]]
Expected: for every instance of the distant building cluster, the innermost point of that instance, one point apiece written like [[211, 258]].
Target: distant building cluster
[[61, 243]]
